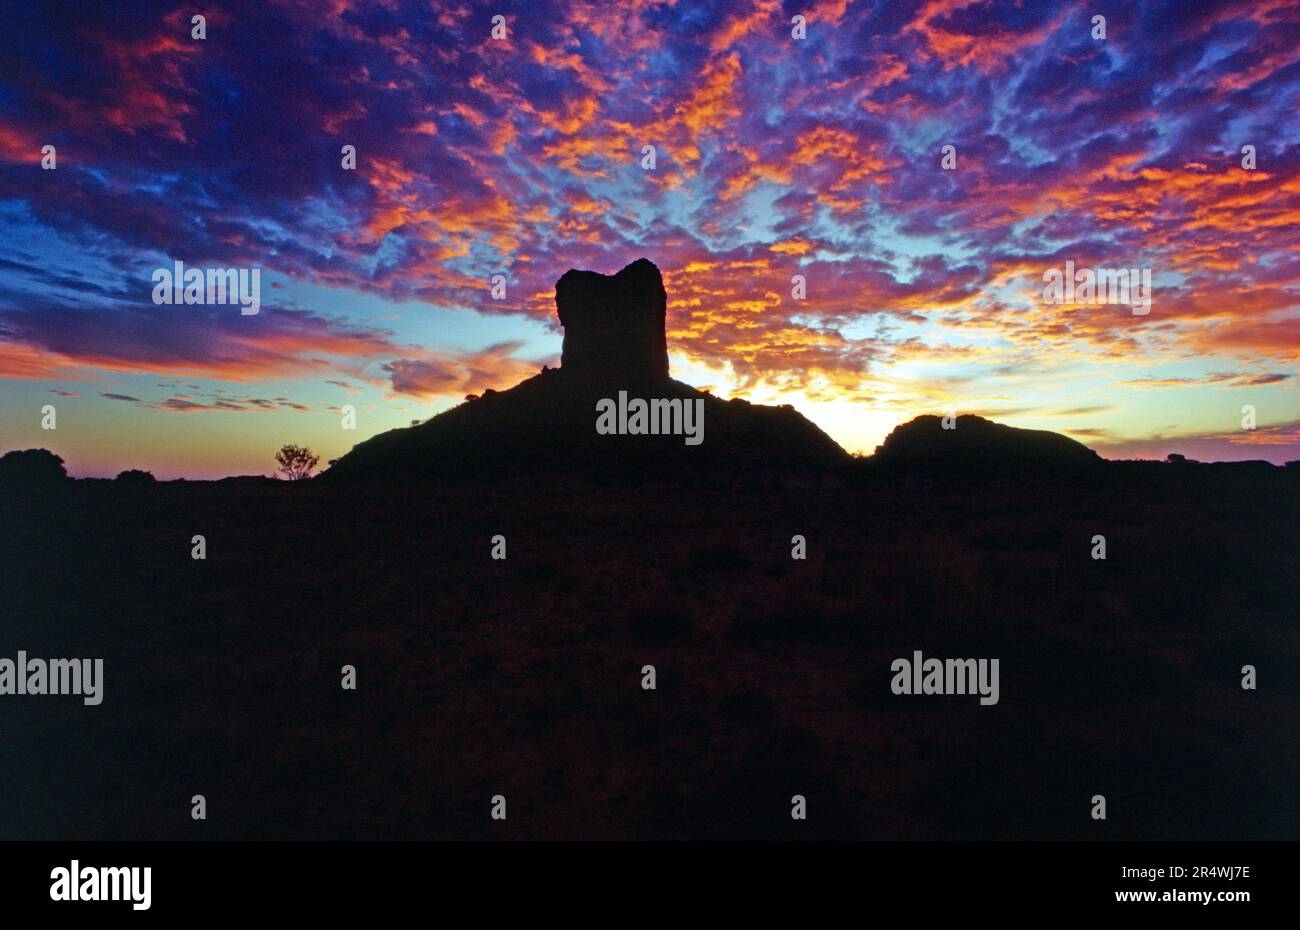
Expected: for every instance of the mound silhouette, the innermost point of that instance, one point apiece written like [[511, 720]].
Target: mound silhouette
[[979, 446], [613, 342]]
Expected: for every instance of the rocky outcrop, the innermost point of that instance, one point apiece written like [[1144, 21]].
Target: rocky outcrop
[[614, 324], [614, 345]]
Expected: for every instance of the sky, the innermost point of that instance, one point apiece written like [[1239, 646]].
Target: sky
[[781, 148]]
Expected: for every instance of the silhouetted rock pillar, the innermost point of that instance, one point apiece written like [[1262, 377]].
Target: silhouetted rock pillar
[[614, 324]]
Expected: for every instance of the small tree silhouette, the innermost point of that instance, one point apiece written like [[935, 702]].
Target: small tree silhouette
[[296, 462], [32, 466]]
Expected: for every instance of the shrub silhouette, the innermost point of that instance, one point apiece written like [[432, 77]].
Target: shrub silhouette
[[32, 467], [135, 476]]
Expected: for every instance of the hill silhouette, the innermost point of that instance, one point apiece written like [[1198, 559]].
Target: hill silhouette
[[613, 342], [974, 445]]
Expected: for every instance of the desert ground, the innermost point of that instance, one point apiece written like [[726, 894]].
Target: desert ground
[[522, 677]]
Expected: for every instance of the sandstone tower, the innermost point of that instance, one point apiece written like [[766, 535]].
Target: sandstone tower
[[614, 341], [614, 324]]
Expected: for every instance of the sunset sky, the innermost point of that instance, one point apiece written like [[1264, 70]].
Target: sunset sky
[[775, 156]]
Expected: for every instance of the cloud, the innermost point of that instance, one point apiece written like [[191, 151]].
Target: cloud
[[212, 342], [214, 402], [219, 404], [441, 374], [1227, 379], [1083, 411]]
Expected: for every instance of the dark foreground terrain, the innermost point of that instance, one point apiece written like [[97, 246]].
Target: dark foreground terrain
[[522, 677]]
